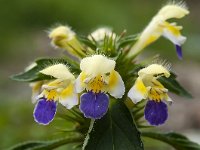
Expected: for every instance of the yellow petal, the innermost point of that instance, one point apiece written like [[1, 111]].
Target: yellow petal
[[138, 91], [49, 94], [172, 32], [68, 97], [95, 84]]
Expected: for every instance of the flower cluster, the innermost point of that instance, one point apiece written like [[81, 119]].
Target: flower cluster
[[98, 77], [103, 69]]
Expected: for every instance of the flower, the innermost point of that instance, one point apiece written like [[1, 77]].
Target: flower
[[148, 87], [64, 37], [160, 27], [101, 33], [61, 89], [98, 77]]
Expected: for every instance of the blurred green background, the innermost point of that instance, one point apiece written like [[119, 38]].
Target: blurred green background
[[23, 28]]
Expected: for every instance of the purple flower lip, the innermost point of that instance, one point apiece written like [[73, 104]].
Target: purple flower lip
[[94, 105], [179, 51], [44, 111], [156, 113]]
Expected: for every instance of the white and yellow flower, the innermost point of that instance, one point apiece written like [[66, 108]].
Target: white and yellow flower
[[61, 90], [64, 37], [148, 87], [98, 77], [160, 27]]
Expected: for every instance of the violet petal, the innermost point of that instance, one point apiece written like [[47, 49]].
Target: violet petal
[[94, 105], [179, 52], [156, 113], [44, 111]]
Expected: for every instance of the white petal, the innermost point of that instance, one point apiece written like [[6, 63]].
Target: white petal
[[68, 97], [176, 39], [97, 65], [100, 34], [116, 85], [135, 95], [34, 97], [70, 102], [138, 91], [173, 11], [169, 100], [59, 71], [41, 95], [79, 83]]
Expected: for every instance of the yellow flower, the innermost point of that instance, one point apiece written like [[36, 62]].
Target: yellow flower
[[160, 27]]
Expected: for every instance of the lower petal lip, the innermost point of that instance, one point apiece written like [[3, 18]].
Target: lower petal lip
[[94, 105], [179, 51], [156, 113], [44, 111]]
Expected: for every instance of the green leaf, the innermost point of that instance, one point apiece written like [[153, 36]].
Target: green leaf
[[178, 141], [87, 42], [47, 145], [128, 40], [172, 85], [26, 145], [33, 73], [115, 131]]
